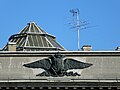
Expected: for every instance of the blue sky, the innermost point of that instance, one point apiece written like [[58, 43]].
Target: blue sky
[[52, 16]]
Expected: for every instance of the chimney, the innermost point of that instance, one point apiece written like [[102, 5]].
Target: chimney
[[86, 48], [11, 46]]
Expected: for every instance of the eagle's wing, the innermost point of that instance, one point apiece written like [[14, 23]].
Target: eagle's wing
[[44, 64], [75, 64]]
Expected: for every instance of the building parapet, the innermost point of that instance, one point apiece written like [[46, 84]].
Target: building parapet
[[66, 53]]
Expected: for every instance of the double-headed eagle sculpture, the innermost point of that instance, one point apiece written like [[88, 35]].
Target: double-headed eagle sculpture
[[57, 65]]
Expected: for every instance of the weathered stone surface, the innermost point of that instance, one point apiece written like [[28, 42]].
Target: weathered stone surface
[[105, 65]]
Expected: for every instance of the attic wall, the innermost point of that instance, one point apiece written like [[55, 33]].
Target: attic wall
[[104, 67]]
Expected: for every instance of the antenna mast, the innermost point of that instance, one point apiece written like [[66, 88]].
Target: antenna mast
[[75, 13]]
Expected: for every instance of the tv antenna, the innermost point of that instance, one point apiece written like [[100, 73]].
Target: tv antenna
[[78, 24]]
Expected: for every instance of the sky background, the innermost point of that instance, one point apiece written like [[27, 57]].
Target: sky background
[[53, 16]]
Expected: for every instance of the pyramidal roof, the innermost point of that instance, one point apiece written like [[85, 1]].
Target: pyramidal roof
[[33, 38]]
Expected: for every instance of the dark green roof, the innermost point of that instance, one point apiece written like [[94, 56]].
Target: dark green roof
[[33, 38]]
